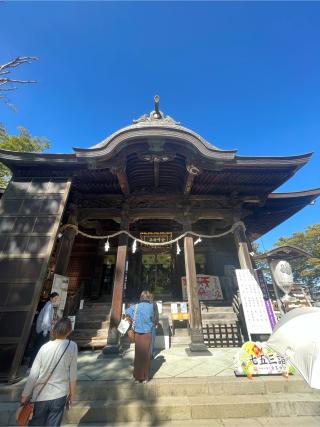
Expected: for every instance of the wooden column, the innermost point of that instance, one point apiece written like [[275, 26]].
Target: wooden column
[[65, 246], [177, 272], [191, 278], [242, 248], [197, 342], [113, 345], [98, 270]]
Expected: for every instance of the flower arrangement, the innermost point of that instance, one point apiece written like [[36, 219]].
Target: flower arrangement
[[256, 358]]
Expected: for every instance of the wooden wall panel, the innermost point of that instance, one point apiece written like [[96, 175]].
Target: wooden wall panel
[[82, 262], [30, 212]]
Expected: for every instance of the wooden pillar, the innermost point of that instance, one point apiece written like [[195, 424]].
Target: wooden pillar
[[65, 246], [130, 293], [242, 248], [197, 341], [191, 278], [177, 271], [98, 270], [113, 345]]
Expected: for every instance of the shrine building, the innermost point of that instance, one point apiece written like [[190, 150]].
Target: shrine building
[[193, 209]]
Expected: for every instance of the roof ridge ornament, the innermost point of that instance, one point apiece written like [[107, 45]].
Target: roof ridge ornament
[[156, 115]]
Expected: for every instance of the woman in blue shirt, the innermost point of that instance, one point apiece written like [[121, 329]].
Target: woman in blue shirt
[[142, 315]]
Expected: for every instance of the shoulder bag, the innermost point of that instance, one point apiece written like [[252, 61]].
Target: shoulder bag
[[131, 332], [25, 411]]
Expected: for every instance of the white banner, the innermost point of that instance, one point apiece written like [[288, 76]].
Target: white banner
[[208, 288], [282, 274], [255, 312], [259, 359], [60, 285]]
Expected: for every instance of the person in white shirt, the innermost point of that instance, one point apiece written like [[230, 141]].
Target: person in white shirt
[[44, 325], [60, 389]]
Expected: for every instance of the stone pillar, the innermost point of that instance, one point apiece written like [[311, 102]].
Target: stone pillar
[[242, 248], [197, 341], [113, 345]]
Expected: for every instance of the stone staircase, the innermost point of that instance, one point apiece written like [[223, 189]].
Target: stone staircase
[[212, 314], [208, 401], [220, 326], [181, 337], [92, 324]]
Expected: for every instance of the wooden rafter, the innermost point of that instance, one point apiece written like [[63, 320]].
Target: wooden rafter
[[120, 172], [188, 185], [193, 171]]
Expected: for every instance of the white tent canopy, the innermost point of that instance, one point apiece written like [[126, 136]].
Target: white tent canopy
[[297, 335]]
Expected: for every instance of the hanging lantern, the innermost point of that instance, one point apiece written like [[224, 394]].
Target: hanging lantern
[[178, 249], [107, 246], [199, 240], [134, 246], [282, 274]]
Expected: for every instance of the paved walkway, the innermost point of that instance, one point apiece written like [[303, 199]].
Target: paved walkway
[[171, 363]]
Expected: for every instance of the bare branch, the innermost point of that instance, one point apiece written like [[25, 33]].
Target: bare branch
[[18, 61], [6, 82]]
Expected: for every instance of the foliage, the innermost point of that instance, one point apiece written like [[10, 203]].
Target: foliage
[[305, 271], [262, 263], [22, 142]]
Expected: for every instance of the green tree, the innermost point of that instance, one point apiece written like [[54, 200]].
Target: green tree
[[306, 271], [21, 142], [262, 263]]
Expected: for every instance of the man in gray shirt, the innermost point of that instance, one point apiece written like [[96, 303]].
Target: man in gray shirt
[[44, 325]]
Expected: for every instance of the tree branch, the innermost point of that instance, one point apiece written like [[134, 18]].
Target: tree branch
[[19, 60], [6, 82]]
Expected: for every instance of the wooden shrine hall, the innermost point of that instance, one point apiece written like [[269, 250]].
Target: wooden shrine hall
[[153, 181]]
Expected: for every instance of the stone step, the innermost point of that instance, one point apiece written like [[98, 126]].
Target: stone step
[[180, 343], [96, 304], [194, 407], [213, 316], [100, 311], [166, 308], [92, 317], [91, 324], [216, 309], [93, 311], [88, 333], [183, 408], [92, 343], [209, 322], [196, 386], [304, 421], [181, 331]]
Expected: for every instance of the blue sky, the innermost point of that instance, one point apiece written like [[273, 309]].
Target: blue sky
[[244, 75]]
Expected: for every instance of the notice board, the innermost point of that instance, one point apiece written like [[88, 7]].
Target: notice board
[[255, 312]]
